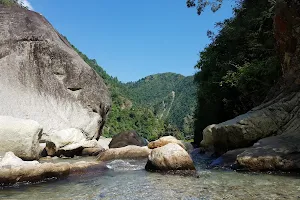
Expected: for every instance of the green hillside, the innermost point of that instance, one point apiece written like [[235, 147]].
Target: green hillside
[[171, 97], [157, 105]]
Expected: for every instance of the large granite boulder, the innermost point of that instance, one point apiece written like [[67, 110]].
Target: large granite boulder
[[169, 157], [20, 136], [128, 152], [127, 138], [275, 117], [164, 141], [268, 154], [42, 78]]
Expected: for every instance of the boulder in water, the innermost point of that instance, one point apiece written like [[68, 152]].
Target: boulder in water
[[128, 152], [127, 138], [273, 153], [169, 157], [20, 136]]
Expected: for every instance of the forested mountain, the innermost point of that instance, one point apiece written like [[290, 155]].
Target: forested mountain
[[239, 67], [171, 97], [160, 104]]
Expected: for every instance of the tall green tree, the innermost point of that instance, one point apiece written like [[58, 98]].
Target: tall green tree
[[239, 67]]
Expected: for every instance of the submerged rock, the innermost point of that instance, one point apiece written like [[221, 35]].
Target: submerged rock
[[164, 141], [127, 138], [20, 136], [128, 152], [227, 160], [169, 157], [42, 78]]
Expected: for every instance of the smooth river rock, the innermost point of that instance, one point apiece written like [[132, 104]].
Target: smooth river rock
[[42, 78], [20, 136], [127, 138], [169, 157], [128, 152], [164, 141], [14, 169]]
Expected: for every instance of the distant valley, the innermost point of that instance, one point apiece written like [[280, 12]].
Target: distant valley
[[157, 105]]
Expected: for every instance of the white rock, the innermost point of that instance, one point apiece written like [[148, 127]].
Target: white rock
[[104, 142], [10, 160], [66, 137], [20, 136], [42, 78]]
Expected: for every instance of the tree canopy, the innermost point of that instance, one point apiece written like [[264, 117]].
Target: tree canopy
[[239, 67], [202, 4]]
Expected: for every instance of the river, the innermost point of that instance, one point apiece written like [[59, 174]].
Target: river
[[127, 180]]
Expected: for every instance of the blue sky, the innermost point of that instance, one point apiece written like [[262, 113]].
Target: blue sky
[[131, 39]]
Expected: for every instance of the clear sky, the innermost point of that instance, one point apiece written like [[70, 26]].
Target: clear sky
[[131, 39]]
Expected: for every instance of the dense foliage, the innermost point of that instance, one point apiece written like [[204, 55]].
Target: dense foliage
[[238, 68], [172, 97]]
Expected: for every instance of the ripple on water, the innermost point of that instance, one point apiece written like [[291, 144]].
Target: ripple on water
[[128, 180]]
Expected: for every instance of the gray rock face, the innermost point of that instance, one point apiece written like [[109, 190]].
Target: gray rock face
[[275, 117], [20, 136], [273, 153], [42, 78]]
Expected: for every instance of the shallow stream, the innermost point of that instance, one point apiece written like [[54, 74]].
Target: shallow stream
[[127, 179]]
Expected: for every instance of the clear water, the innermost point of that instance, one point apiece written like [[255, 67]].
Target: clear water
[[128, 180]]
